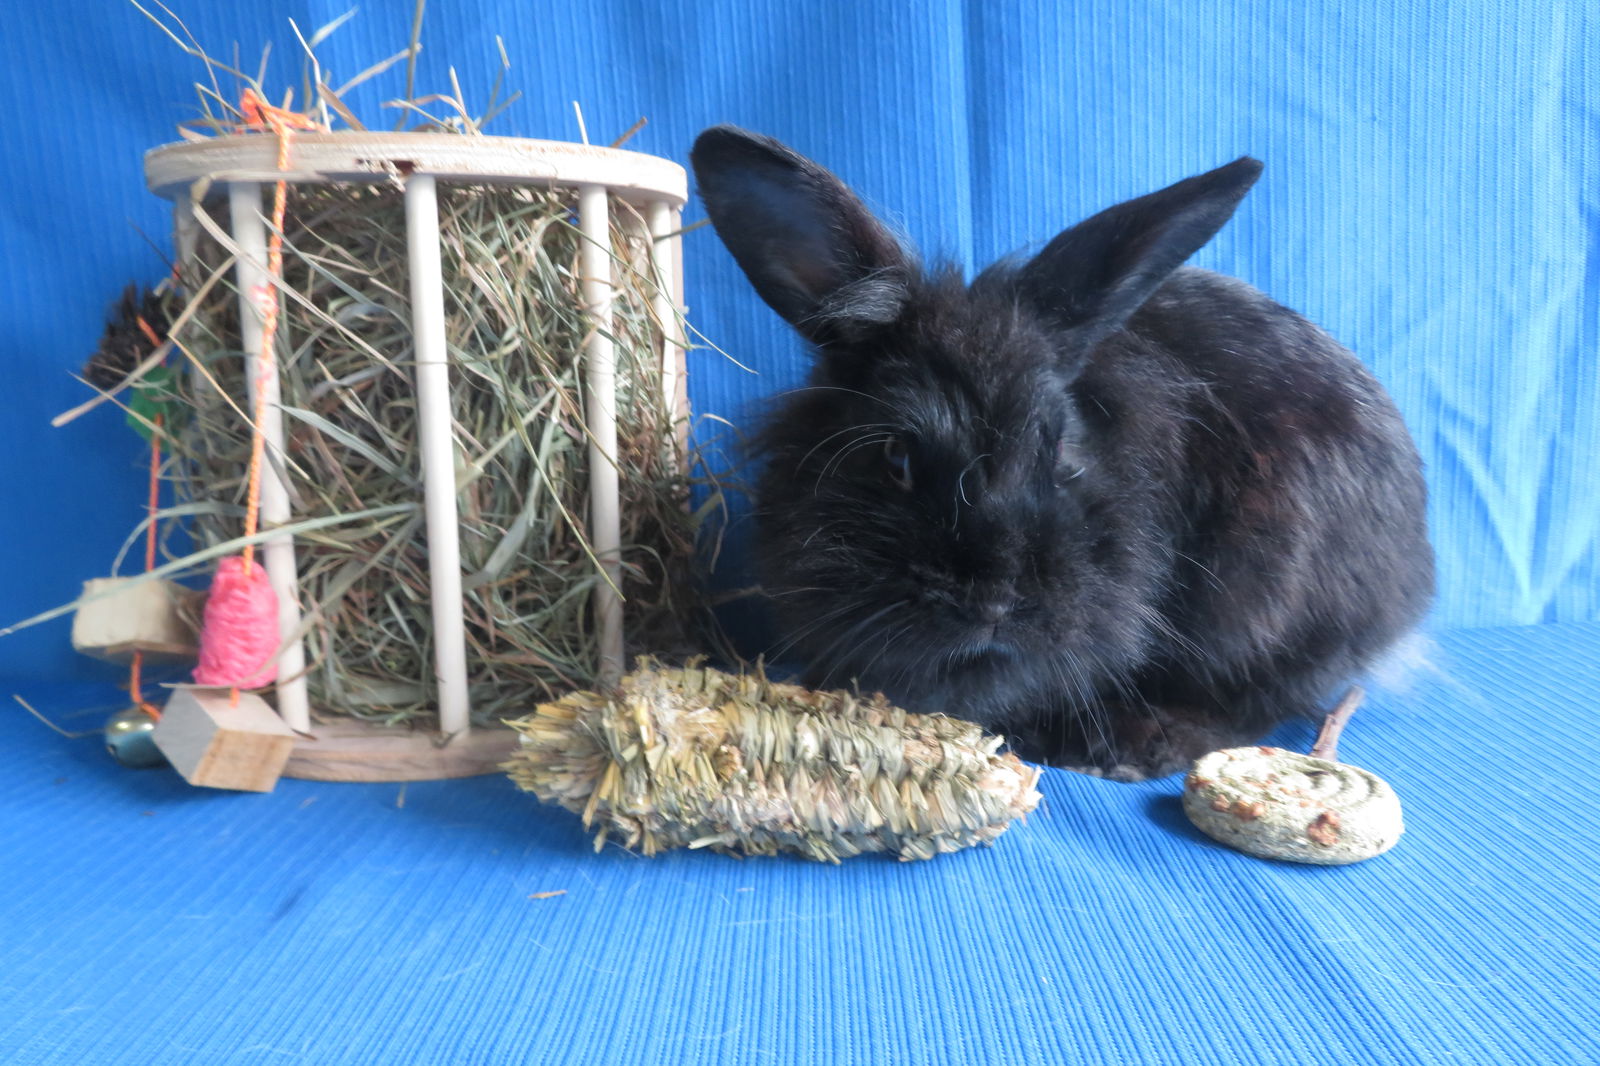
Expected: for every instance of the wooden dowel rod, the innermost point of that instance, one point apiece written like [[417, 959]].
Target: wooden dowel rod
[[663, 253], [605, 524], [436, 441], [277, 554]]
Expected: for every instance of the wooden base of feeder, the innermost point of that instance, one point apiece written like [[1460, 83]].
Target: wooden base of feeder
[[362, 751], [218, 742]]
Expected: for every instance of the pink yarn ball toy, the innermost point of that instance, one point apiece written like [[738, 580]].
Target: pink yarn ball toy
[[239, 637]]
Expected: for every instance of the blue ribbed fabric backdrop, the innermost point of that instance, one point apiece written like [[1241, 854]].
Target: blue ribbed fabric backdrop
[[1432, 197], [1429, 197]]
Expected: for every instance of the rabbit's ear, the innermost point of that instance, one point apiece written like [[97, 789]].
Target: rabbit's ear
[[1099, 272], [807, 244]]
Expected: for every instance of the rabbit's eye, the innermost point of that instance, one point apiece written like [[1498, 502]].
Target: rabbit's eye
[[898, 458], [1069, 461]]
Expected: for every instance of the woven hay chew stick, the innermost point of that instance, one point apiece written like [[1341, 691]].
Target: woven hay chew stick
[[698, 758]]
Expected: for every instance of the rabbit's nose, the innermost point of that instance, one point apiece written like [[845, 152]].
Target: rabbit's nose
[[993, 612]]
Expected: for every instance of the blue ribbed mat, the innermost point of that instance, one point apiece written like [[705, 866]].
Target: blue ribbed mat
[[145, 922]]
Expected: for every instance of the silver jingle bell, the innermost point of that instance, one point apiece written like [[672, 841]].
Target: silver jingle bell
[[130, 738]]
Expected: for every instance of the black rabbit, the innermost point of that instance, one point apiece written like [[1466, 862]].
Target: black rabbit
[[1122, 511]]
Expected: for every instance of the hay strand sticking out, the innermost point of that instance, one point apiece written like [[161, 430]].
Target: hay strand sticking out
[[697, 758]]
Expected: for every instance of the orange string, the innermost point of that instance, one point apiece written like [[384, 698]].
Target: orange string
[[260, 114], [152, 505]]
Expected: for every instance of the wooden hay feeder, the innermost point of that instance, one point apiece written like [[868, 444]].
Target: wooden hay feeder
[[217, 187]]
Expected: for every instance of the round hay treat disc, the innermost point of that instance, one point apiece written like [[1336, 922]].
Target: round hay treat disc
[[1278, 804]]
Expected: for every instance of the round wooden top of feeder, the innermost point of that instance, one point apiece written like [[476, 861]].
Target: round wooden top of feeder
[[362, 156]]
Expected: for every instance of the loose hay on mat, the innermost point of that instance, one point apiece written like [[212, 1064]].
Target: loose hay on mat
[[700, 758]]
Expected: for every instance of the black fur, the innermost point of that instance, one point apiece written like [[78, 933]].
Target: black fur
[[1122, 511]]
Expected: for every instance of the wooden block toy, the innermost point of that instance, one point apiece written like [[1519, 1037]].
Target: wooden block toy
[[215, 742], [147, 616]]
